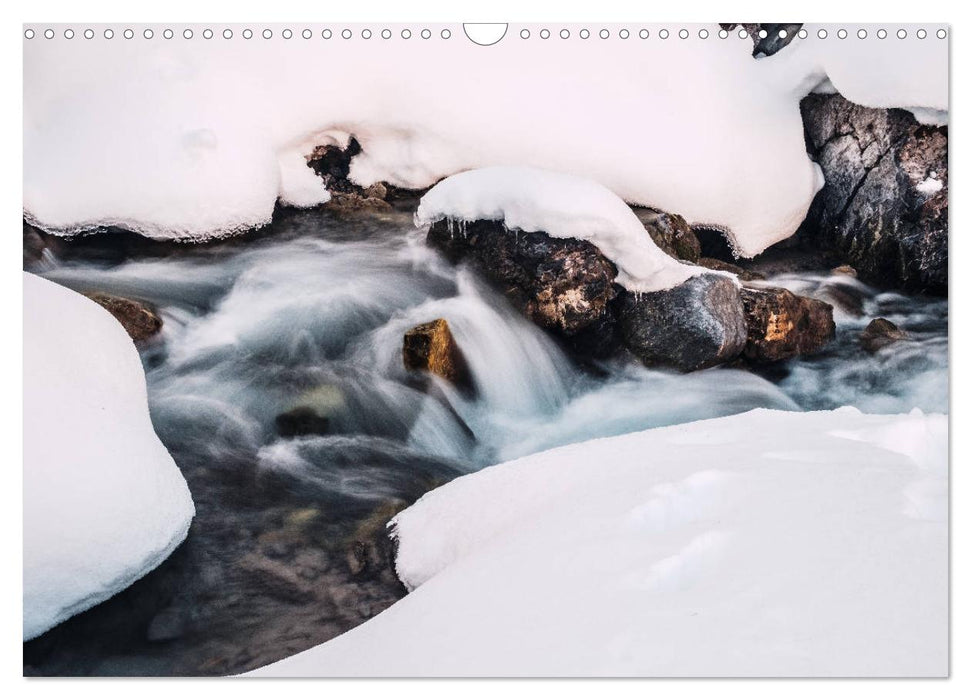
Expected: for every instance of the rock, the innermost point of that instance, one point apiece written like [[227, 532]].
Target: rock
[[671, 234], [782, 325], [722, 266], [301, 421], [167, 625], [311, 413], [276, 579], [139, 320], [883, 208], [430, 347], [880, 333], [697, 324], [562, 284], [846, 270], [333, 164]]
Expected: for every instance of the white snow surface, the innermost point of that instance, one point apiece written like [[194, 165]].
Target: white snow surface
[[196, 138], [104, 503], [564, 206], [763, 544]]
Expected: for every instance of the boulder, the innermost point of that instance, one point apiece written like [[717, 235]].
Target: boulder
[[883, 208], [697, 324], [782, 325], [139, 320], [311, 413], [333, 164], [562, 284], [722, 266], [671, 233], [430, 347], [880, 333]]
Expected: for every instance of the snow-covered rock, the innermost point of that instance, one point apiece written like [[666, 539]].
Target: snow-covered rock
[[562, 206], [763, 544], [103, 501], [195, 138]]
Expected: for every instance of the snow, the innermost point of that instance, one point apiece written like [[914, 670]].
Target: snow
[[769, 543], [103, 501], [564, 206], [196, 138]]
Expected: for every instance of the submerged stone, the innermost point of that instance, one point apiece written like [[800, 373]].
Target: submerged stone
[[880, 333]]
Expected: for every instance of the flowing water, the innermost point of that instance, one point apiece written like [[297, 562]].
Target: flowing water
[[313, 312]]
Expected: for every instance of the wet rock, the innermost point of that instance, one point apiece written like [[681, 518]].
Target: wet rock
[[722, 266], [671, 234], [782, 325], [883, 208], [430, 347], [167, 625], [880, 333], [311, 413], [301, 421], [846, 270], [562, 284], [697, 324], [848, 298], [139, 320], [276, 579]]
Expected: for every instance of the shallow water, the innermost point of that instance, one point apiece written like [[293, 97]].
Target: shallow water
[[313, 312]]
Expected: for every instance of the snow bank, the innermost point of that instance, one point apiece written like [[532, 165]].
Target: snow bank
[[103, 501], [564, 206], [764, 544], [193, 138]]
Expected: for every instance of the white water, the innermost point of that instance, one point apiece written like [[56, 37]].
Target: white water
[[321, 306]]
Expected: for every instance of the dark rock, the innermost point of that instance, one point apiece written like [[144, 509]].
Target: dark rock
[[671, 234], [884, 207], [782, 325], [722, 266], [697, 324], [772, 43], [430, 347], [139, 320], [301, 421], [562, 284], [880, 333], [276, 579], [167, 625], [848, 298], [333, 164]]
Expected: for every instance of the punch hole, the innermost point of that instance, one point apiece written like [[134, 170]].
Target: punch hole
[[484, 34]]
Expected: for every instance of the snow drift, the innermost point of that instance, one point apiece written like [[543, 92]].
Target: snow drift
[[194, 138], [564, 206], [103, 501], [764, 544]]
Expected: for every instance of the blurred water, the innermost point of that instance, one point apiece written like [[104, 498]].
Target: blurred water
[[316, 313]]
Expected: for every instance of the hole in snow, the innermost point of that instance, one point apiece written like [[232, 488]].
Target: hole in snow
[[485, 34]]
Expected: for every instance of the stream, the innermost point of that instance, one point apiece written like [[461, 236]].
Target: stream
[[288, 547]]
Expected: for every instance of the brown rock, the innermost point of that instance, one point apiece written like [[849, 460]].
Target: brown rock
[[671, 233], [880, 333], [430, 347], [721, 265], [844, 270], [139, 320], [782, 325]]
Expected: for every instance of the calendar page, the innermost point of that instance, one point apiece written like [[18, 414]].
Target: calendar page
[[485, 350]]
